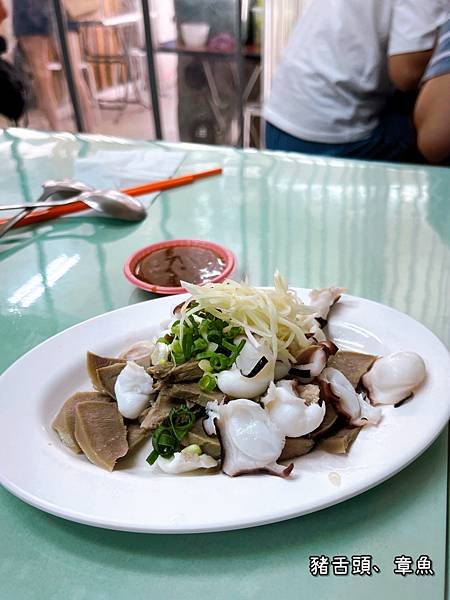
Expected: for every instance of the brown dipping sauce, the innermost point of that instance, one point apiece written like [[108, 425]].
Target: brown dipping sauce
[[168, 266]]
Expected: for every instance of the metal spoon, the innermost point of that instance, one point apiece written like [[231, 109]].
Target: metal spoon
[[114, 204], [58, 189], [109, 203]]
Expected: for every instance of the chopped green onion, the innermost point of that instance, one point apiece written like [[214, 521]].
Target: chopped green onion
[[205, 365], [191, 322], [166, 339], [199, 345], [215, 336], [235, 331], [164, 442], [236, 352], [151, 458], [203, 329], [187, 343], [175, 329], [207, 383], [228, 346], [181, 420], [232, 332], [166, 438], [219, 362], [204, 355], [177, 353], [178, 359], [192, 449]]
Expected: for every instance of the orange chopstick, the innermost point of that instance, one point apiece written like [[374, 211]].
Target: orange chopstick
[[166, 184], [37, 216]]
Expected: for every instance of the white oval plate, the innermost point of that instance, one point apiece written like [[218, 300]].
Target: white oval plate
[[36, 467]]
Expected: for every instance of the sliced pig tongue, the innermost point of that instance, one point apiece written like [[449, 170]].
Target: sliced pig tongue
[[107, 376], [135, 436], [101, 433], [94, 362], [64, 423], [352, 364]]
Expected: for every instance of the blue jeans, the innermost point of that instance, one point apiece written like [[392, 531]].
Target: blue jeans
[[35, 17], [392, 140]]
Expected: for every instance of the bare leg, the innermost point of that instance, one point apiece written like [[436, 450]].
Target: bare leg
[[36, 49], [80, 82]]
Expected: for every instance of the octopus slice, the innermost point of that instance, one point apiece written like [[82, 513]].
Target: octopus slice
[[185, 461], [337, 389], [394, 378], [251, 443], [311, 361], [291, 414], [322, 300]]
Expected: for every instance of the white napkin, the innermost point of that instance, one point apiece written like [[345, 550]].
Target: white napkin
[[121, 169], [115, 168]]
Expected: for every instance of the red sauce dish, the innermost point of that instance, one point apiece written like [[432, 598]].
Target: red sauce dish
[[159, 267]]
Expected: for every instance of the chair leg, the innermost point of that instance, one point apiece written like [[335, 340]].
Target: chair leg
[[247, 126], [91, 83]]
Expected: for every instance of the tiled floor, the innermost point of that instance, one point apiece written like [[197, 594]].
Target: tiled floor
[[136, 121]]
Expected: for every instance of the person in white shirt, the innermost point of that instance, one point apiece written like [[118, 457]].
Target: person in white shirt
[[330, 94]]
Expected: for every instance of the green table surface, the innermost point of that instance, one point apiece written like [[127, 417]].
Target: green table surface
[[380, 230]]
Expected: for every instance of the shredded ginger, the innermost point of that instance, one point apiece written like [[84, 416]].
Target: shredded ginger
[[275, 317]]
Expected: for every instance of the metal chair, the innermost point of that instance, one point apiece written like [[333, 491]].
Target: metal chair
[[88, 73], [112, 45]]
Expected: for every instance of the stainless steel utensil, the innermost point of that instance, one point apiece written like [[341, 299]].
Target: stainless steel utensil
[[57, 189], [110, 203], [114, 204]]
